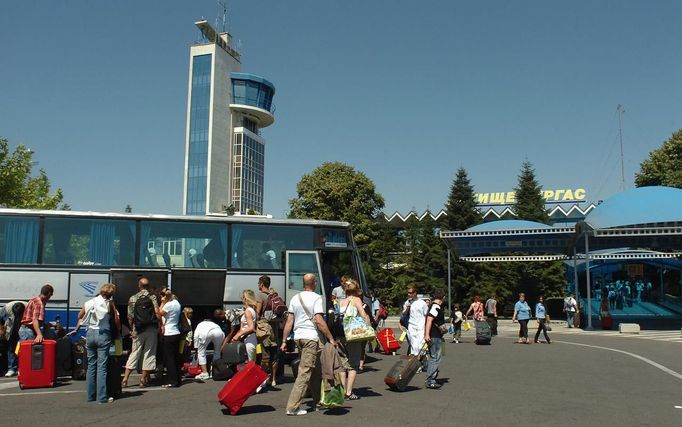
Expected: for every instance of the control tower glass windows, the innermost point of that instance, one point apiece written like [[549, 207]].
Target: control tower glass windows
[[197, 163], [248, 89], [250, 125], [248, 172]]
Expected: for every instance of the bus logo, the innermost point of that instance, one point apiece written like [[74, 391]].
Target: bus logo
[[89, 288]]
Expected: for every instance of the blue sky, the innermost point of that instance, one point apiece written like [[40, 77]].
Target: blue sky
[[405, 91]]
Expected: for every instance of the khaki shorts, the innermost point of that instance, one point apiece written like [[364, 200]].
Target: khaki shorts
[[144, 347]]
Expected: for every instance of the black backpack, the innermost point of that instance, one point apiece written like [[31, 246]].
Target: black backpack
[[143, 313]]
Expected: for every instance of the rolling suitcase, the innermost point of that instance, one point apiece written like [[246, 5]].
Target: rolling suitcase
[[402, 372], [387, 340], [64, 358], [114, 377], [79, 360], [294, 366], [241, 387], [37, 364], [483, 333]]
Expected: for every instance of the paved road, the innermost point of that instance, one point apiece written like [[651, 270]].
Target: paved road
[[581, 378]]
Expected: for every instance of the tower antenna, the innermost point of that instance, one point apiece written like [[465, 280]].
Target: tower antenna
[[620, 111], [224, 16]]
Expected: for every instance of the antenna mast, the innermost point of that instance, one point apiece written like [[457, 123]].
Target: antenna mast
[[224, 23], [620, 111]]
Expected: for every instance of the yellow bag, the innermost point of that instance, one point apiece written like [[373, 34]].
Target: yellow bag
[[116, 348], [259, 348], [403, 336], [466, 326]]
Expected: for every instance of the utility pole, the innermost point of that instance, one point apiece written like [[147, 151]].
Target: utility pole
[[620, 111]]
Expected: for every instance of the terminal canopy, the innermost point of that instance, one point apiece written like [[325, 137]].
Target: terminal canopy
[[504, 240], [645, 217]]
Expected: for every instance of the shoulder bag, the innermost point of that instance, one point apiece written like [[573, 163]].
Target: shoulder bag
[[354, 326]]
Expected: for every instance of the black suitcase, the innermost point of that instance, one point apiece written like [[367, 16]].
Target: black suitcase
[[221, 370], [79, 363], [483, 333], [402, 372], [114, 377], [234, 353], [4, 361], [64, 357]]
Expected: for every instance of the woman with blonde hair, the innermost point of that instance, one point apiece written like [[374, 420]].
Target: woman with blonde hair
[[170, 310], [352, 306], [100, 316], [247, 330]]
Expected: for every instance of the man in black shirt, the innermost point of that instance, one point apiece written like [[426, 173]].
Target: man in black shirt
[[435, 323]]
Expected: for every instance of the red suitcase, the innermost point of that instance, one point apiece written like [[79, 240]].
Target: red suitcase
[[388, 341], [37, 364], [242, 385]]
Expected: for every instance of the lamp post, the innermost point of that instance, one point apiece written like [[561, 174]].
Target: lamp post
[[587, 278]]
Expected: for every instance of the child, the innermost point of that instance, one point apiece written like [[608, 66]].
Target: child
[[456, 321]]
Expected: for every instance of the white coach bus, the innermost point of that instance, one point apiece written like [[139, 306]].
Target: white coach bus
[[206, 260]]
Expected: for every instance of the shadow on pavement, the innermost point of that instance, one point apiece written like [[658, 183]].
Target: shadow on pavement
[[252, 409], [336, 411], [366, 392]]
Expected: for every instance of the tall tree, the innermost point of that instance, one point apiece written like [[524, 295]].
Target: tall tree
[[386, 267], [335, 191], [18, 189], [461, 205], [530, 204], [462, 213], [424, 256], [664, 165]]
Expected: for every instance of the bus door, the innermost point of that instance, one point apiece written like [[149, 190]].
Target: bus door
[[126, 285], [202, 290], [298, 264]]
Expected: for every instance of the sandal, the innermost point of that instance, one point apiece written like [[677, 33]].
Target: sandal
[[352, 396]]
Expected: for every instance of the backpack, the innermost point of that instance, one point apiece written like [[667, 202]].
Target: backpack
[[405, 317], [276, 304], [143, 313]]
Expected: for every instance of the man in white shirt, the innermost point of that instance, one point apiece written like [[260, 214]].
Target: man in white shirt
[[305, 318], [417, 326]]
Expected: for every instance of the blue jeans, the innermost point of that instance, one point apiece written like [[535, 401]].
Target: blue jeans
[[97, 345], [570, 318], [26, 333], [435, 354]]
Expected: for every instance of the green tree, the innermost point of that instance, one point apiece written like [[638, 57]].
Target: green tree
[[530, 204], [18, 189], [386, 271], [425, 255], [461, 205], [462, 213], [335, 191], [664, 165]]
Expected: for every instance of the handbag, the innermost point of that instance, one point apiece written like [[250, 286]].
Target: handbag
[[466, 325], [333, 397], [354, 326]]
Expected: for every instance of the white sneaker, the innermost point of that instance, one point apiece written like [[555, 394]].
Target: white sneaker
[[297, 412], [202, 376], [11, 373]]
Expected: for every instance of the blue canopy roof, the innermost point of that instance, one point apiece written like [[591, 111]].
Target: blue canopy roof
[[644, 205], [508, 224]]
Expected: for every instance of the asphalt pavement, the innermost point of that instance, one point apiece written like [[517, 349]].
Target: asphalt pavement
[[582, 378]]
